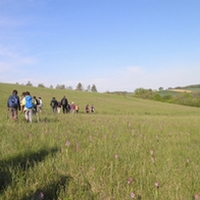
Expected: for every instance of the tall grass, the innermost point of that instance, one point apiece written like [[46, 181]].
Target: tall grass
[[128, 149]]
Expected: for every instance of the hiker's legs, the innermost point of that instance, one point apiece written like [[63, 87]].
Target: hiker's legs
[[64, 110], [26, 115], [14, 114], [11, 113], [30, 115]]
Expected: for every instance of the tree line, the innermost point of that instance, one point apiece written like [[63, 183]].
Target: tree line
[[79, 87]]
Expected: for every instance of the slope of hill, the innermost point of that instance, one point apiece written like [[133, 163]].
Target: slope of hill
[[104, 103]]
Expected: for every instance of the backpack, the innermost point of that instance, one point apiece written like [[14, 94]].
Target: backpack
[[29, 103], [64, 102], [13, 101], [54, 103], [37, 102]]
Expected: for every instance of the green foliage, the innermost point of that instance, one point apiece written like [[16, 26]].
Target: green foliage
[[183, 98], [122, 149], [41, 85], [79, 87]]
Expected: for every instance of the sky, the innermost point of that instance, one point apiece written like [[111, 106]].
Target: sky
[[117, 45]]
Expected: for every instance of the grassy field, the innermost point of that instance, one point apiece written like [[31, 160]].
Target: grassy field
[[128, 149]]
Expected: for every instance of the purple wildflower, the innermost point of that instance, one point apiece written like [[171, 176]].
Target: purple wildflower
[[41, 195], [196, 197], [132, 195], [156, 184], [67, 143]]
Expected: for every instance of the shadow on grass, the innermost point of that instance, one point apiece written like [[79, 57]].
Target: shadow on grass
[[20, 163], [51, 191], [64, 187]]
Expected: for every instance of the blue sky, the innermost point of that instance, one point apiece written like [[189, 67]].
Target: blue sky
[[118, 45]]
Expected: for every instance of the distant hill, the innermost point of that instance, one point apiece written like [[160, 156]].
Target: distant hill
[[178, 90]]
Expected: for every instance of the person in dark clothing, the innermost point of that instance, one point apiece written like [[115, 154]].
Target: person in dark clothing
[[64, 104], [54, 105], [13, 105]]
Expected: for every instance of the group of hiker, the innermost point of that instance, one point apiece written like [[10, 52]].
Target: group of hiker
[[30, 105], [26, 104], [67, 107]]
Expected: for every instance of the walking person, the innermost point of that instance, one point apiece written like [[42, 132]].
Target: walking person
[[40, 104], [77, 108], [92, 109], [28, 107], [54, 105], [64, 104], [13, 105], [72, 107], [35, 109], [87, 108], [21, 101], [59, 107]]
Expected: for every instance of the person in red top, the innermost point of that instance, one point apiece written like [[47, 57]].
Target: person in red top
[[72, 107]]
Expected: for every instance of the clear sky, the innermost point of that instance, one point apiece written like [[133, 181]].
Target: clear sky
[[118, 45]]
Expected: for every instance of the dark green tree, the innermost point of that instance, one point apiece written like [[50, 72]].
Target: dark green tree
[[94, 89], [79, 87]]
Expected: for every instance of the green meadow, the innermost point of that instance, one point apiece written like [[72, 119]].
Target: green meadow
[[129, 148]]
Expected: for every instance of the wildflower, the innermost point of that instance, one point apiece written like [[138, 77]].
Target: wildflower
[[67, 143], [132, 195], [187, 160], [129, 180], [152, 159], [41, 195], [156, 184], [116, 156], [30, 135], [151, 152], [196, 197]]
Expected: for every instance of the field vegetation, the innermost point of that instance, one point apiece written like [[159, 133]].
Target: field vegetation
[[189, 95], [130, 148]]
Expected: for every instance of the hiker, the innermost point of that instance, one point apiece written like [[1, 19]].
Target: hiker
[[64, 103], [92, 109], [87, 109], [21, 101], [40, 104], [13, 105], [59, 107], [35, 108], [36, 103], [77, 108], [28, 106], [68, 108], [54, 105], [72, 107]]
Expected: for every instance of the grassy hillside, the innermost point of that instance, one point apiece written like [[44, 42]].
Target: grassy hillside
[[104, 103], [129, 149]]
